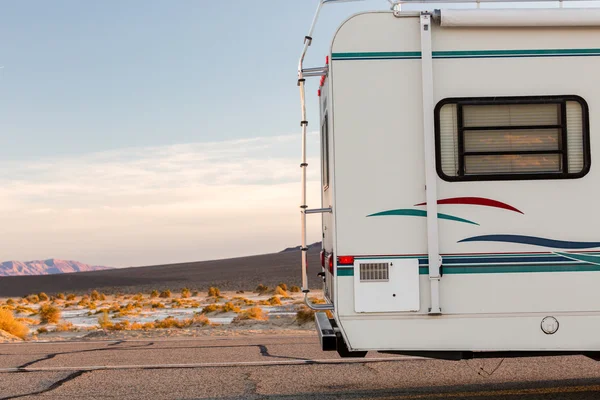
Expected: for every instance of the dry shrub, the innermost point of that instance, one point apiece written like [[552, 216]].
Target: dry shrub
[[154, 294], [169, 323], [84, 302], [102, 297], [261, 289], [42, 330], [148, 325], [49, 314], [176, 304], [64, 327], [61, 296], [283, 286], [9, 324], [71, 297], [230, 307], [186, 293], [254, 313], [158, 305], [210, 308], [92, 306], [104, 320], [214, 292], [196, 293], [314, 300], [43, 296], [165, 294], [295, 289], [95, 296], [305, 315], [10, 302], [279, 291]]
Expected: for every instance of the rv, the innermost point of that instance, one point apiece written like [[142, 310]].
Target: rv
[[459, 209]]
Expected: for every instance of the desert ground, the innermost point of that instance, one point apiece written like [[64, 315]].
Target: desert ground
[[244, 273]]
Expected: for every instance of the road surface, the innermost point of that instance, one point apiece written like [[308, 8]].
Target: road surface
[[270, 367]]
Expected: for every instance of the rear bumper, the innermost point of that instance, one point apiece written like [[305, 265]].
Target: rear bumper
[[325, 331]]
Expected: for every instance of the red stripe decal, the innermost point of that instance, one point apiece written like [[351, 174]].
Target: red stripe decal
[[477, 201]]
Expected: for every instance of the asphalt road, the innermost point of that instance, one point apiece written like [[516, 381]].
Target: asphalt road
[[269, 367]]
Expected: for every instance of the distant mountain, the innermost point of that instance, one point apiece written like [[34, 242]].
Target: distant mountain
[[314, 246], [45, 267]]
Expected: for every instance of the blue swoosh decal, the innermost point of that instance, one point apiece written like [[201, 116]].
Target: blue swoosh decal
[[532, 240]]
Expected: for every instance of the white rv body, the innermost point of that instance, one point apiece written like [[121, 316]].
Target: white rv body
[[514, 251]]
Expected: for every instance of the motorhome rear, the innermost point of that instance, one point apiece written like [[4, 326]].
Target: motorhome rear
[[459, 192]]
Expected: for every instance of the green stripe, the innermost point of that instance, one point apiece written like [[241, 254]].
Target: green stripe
[[420, 213], [345, 271], [468, 54], [497, 269]]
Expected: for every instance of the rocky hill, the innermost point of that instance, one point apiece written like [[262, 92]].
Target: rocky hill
[[45, 267]]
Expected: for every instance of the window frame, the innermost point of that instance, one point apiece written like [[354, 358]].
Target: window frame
[[510, 100]]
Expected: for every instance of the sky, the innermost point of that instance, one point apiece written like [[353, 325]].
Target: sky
[[149, 132]]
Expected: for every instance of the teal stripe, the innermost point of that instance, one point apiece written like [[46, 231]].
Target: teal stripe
[[420, 213], [345, 271], [588, 258], [467, 54]]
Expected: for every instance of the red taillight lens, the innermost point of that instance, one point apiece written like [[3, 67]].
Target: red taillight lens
[[319, 93], [331, 264], [346, 260], [326, 60], [322, 254]]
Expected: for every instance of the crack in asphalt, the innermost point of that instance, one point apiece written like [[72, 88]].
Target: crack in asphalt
[[50, 388], [52, 355]]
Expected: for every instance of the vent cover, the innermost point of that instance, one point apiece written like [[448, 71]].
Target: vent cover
[[375, 272]]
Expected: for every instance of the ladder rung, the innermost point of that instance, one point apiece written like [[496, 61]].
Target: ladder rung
[[319, 71], [318, 210]]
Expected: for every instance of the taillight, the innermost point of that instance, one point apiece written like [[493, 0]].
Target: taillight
[[322, 254], [331, 264], [346, 260]]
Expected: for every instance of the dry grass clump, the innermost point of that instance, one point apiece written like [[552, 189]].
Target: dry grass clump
[[154, 294], [60, 296], [230, 307], [261, 289], [210, 308], [165, 294], [25, 310], [9, 324], [43, 296], [214, 292], [254, 313], [95, 296], [280, 291], [28, 321], [41, 330], [242, 301], [186, 293], [49, 314], [314, 300], [138, 297], [10, 302], [305, 315], [71, 297], [65, 327], [272, 301], [295, 289], [158, 305], [33, 298], [104, 320]]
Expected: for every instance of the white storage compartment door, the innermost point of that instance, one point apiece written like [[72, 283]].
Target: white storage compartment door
[[386, 285]]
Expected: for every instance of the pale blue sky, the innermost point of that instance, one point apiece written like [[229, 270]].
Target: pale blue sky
[[91, 76]]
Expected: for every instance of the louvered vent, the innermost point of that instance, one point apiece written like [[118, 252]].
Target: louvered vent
[[375, 272]]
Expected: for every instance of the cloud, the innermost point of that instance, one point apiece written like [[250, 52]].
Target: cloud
[[153, 205]]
